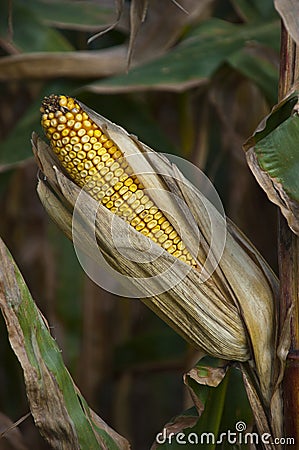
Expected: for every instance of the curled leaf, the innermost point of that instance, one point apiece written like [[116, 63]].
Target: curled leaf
[[272, 155]]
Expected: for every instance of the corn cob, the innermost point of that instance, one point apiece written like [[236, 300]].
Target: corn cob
[[94, 162]]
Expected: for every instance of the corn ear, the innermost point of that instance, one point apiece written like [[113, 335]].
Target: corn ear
[[196, 306]]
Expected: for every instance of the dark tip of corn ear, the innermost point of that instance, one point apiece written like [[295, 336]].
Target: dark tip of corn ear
[[50, 104]]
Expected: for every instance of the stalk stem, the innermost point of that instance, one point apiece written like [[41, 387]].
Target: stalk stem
[[288, 254]]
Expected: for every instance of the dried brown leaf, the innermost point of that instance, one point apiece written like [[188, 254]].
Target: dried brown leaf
[[164, 24], [180, 423], [262, 421], [119, 10], [10, 435], [138, 10], [289, 12], [80, 64], [212, 376], [205, 375]]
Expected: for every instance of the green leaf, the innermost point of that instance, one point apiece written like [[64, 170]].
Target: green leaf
[[278, 115], [278, 155], [29, 34], [70, 14], [246, 10], [255, 10], [223, 405], [273, 156], [265, 8], [260, 69], [236, 407], [195, 59]]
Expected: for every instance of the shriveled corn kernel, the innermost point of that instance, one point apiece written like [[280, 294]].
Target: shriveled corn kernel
[[94, 162]]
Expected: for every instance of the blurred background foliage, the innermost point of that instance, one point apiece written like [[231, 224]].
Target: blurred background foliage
[[201, 77]]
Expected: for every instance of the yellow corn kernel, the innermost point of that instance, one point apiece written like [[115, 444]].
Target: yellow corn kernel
[[94, 162]]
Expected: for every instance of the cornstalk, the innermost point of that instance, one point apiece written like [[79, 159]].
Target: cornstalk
[[289, 265]]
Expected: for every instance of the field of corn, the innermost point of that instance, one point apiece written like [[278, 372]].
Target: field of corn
[[193, 79]]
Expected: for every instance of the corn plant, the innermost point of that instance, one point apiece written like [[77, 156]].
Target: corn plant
[[124, 204]]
